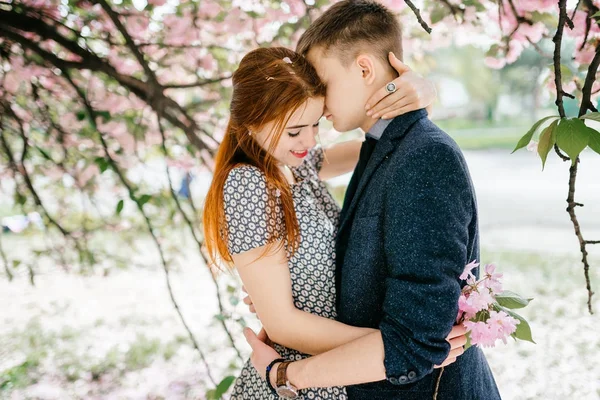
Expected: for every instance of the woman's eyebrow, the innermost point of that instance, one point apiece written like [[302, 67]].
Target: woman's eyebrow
[[302, 126]]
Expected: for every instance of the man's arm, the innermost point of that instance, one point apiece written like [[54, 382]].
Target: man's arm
[[426, 235], [359, 361]]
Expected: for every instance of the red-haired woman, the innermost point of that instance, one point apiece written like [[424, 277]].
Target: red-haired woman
[[269, 214]]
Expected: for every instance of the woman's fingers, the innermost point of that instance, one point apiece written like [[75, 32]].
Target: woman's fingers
[[457, 330], [247, 300], [458, 342]]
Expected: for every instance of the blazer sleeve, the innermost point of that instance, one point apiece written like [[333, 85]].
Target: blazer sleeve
[[428, 208]]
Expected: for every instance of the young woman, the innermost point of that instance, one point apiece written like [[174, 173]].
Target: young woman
[[269, 214]]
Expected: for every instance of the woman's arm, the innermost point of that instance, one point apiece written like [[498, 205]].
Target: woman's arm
[[340, 159], [268, 283]]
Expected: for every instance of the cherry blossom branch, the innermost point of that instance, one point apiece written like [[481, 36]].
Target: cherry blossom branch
[[582, 243], [191, 225], [2, 253], [130, 43], [586, 102], [199, 83], [20, 169], [92, 116], [557, 39], [151, 92], [417, 13], [454, 9], [585, 105], [520, 18]]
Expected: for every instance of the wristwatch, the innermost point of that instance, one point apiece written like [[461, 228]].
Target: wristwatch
[[283, 387]]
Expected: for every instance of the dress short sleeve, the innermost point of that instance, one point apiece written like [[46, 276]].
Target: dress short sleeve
[[249, 211]]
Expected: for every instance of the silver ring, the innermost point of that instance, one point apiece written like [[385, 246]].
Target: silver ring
[[390, 87]]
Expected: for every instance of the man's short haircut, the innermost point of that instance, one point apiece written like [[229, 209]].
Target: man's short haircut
[[351, 27]]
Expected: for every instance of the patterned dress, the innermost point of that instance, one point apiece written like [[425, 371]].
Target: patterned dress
[[312, 267]]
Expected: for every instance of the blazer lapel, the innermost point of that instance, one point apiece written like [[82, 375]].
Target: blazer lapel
[[382, 150], [386, 145]]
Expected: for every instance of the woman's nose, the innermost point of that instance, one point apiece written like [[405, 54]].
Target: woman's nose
[[309, 138]]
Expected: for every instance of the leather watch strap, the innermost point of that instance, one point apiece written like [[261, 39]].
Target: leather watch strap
[[282, 373]]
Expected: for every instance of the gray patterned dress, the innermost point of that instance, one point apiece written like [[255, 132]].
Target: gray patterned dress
[[312, 267]]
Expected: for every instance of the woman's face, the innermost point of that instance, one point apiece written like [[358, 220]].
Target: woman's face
[[298, 135]]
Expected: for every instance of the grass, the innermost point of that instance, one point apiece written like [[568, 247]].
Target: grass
[[485, 135]]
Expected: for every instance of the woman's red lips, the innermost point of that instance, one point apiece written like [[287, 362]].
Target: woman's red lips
[[299, 154]]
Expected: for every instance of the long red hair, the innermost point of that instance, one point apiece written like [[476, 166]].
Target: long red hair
[[268, 86]]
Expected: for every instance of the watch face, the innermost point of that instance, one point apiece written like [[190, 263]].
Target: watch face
[[287, 392]]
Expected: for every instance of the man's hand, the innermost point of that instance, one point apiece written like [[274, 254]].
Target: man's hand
[[457, 339], [262, 353], [413, 93]]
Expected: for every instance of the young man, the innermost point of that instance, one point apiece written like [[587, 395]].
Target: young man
[[408, 228]]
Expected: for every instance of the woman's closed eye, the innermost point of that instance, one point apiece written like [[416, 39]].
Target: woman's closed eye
[[294, 134]]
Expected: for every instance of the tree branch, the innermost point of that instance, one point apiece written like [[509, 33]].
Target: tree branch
[[586, 102], [418, 15], [92, 116], [557, 39], [191, 225], [198, 83]]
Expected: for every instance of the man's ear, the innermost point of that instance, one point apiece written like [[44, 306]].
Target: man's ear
[[366, 64]]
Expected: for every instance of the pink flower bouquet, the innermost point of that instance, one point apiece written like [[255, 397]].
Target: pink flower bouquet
[[486, 310]]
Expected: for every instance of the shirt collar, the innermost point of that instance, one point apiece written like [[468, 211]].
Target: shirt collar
[[376, 130]]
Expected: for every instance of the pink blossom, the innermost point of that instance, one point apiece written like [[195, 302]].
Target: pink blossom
[[467, 271], [504, 323], [532, 146], [496, 63], [492, 281], [499, 326]]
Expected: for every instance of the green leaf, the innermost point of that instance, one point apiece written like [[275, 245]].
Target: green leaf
[[527, 138], [120, 205], [102, 163], [16, 263], [45, 154], [468, 344], [547, 140], [493, 51], [594, 116], [572, 137], [437, 14], [594, 141], [20, 199], [223, 386], [597, 14], [546, 18], [511, 300], [144, 199], [523, 331]]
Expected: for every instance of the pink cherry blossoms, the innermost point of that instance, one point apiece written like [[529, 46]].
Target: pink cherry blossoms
[[484, 308]]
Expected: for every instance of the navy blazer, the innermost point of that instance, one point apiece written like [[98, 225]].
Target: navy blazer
[[403, 242]]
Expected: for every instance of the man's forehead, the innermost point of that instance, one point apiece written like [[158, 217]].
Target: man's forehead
[[318, 59]]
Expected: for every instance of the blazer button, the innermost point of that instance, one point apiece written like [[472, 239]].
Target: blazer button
[[412, 375], [393, 380], [403, 379]]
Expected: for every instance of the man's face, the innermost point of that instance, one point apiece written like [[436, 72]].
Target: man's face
[[346, 91]]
